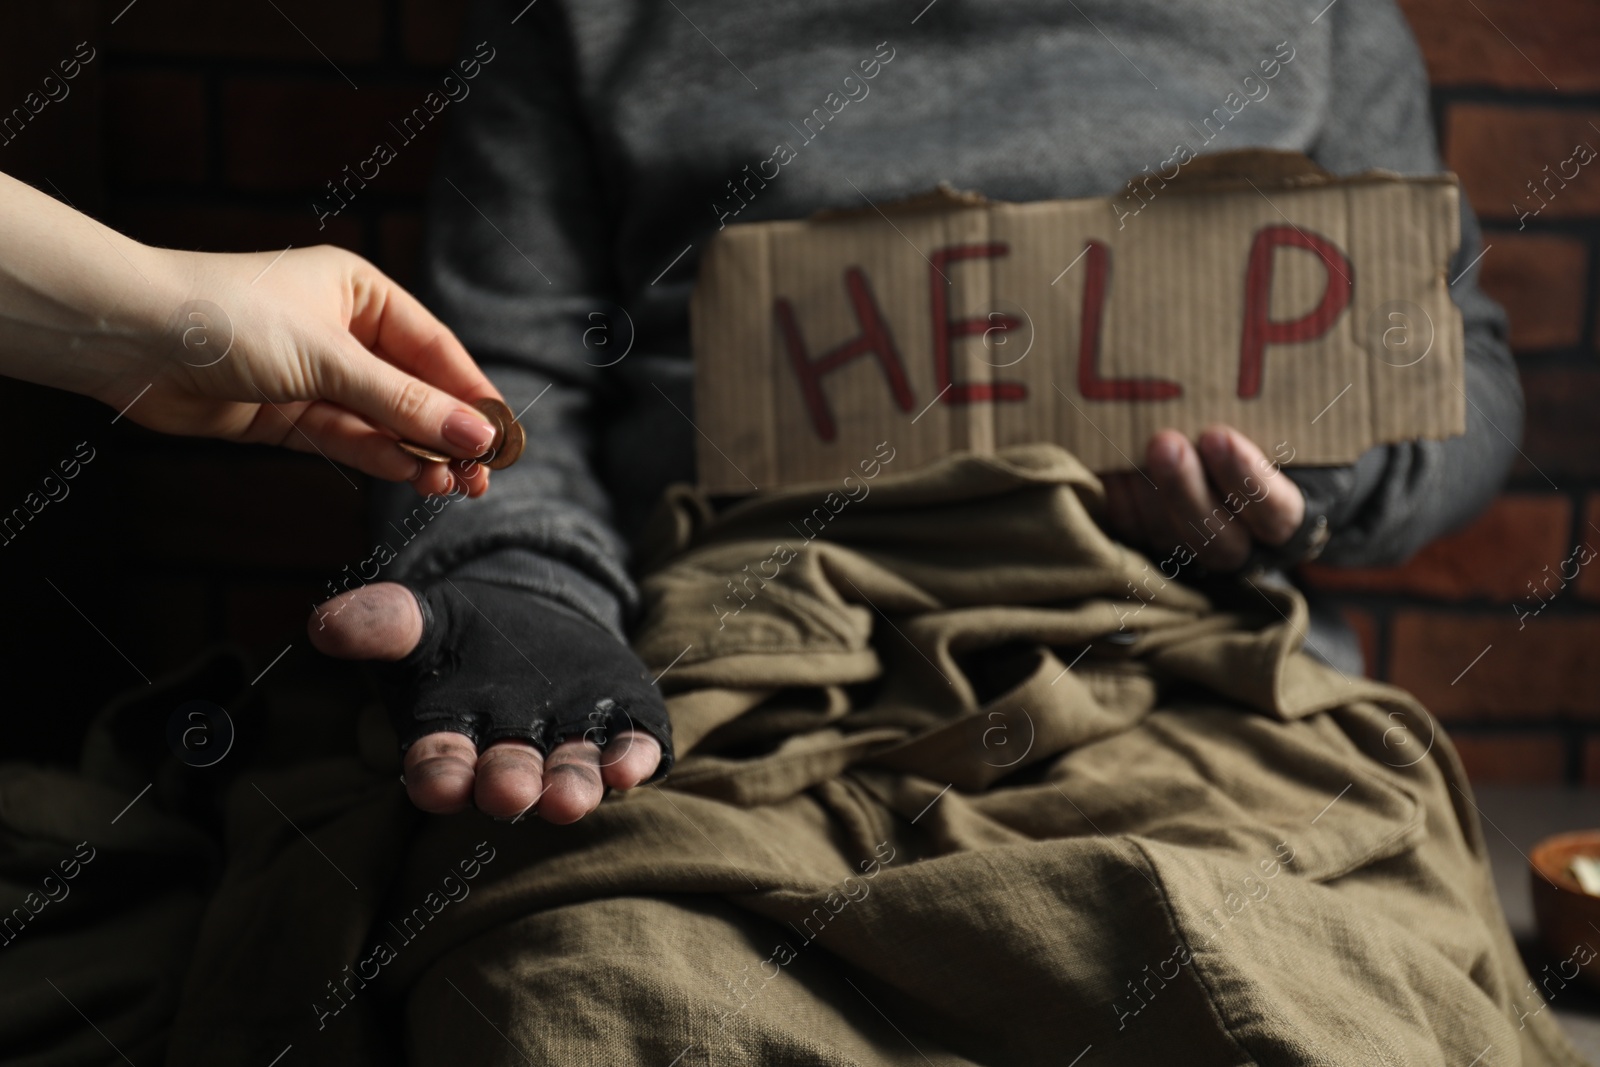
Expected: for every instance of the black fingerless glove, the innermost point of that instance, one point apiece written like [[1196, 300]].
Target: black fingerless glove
[[496, 662]]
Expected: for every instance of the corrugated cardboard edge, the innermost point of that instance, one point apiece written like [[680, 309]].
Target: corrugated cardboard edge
[[941, 197], [1249, 168], [712, 325]]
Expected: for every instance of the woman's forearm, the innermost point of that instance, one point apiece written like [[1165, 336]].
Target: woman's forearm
[[310, 348], [78, 301]]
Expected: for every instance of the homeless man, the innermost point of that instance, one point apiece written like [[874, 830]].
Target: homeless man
[[937, 795]]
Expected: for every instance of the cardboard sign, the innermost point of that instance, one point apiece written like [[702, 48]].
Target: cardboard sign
[[1293, 305]]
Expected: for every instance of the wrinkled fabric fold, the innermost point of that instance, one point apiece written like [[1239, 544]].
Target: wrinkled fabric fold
[[1022, 795], [960, 781]]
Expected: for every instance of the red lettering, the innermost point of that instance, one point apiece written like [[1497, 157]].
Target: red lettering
[[1097, 263], [1259, 330], [944, 329], [875, 340]]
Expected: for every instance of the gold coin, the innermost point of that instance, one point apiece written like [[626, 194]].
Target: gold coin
[[504, 450], [509, 437], [423, 453], [511, 451]]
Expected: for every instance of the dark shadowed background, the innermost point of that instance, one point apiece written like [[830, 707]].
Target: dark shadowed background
[[214, 126]]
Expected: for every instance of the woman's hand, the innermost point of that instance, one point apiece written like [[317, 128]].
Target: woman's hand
[[1213, 503], [314, 349]]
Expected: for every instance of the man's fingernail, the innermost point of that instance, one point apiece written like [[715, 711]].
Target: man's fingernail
[[468, 431], [1216, 445]]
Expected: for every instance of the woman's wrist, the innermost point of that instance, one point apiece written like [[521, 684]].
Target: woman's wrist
[[116, 322], [81, 306]]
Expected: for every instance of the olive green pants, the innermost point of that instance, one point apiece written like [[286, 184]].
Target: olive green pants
[[961, 781]]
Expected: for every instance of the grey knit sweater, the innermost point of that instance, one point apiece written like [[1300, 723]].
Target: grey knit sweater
[[592, 162]]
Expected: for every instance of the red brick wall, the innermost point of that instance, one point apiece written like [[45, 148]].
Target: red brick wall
[[214, 125], [1515, 89]]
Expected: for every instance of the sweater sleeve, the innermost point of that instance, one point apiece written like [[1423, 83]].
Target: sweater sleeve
[[1397, 498], [515, 262]]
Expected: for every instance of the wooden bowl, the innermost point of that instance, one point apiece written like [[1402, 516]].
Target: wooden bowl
[[1568, 918]]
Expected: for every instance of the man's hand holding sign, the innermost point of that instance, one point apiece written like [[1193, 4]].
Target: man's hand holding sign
[[1195, 490], [1236, 325]]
